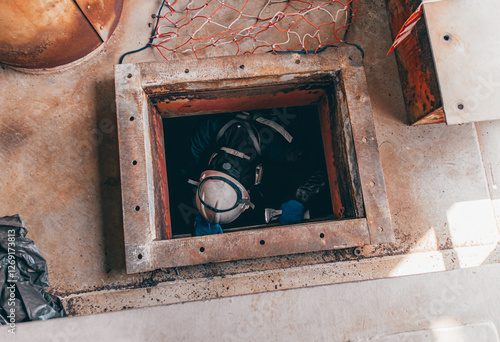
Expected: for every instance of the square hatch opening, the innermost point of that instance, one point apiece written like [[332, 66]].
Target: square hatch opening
[[159, 104], [280, 177]]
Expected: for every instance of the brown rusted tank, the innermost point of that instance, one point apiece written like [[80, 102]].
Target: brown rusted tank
[[41, 34]]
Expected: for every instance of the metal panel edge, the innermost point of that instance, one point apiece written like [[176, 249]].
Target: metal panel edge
[[366, 146], [218, 69], [267, 242], [131, 110]]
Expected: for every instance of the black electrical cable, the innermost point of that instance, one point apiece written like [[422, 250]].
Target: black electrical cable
[[349, 22], [305, 51], [358, 47], [151, 40], [347, 31]]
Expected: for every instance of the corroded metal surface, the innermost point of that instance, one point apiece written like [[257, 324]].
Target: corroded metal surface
[[180, 88], [103, 15], [416, 65], [366, 146], [345, 154], [138, 199], [327, 129], [234, 100], [45, 34], [300, 238], [162, 207]]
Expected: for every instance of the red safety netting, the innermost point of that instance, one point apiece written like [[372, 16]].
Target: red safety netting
[[251, 26]]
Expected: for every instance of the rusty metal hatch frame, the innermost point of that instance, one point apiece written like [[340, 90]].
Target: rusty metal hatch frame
[[334, 80]]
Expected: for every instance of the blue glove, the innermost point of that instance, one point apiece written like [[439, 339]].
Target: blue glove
[[293, 212], [202, 227]]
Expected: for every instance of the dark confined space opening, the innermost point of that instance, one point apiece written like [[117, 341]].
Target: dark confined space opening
[[280, 179]]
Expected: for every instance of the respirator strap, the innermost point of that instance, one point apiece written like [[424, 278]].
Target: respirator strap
[[242, 120], [193, 182], [235, 153], [276, 126]]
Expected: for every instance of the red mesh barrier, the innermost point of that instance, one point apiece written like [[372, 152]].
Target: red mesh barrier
[[251, 26]]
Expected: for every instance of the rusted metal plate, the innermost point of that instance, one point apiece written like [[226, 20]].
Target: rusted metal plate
[[235, 71], [162, 203], [280, 77], [465, 46], [365, 143], [345, 153], [136, 169], [103, 15], [329, 146], [416, 65], [209, 102], [45, 34], [300, 238]]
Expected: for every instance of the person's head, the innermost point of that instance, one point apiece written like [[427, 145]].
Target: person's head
[[220, 198]]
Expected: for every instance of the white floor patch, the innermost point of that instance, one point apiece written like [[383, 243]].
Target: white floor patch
[[476, 332]]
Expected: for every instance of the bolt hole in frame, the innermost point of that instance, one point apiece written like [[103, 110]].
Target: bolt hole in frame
[[333, 81], [446, 37]]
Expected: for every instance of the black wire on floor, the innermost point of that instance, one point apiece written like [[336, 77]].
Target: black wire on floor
[[150, 41]]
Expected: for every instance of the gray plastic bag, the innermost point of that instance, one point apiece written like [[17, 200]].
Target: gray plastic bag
[[23, 277]]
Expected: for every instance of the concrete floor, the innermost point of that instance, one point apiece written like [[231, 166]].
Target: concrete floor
[[59, 153], [453, 306]]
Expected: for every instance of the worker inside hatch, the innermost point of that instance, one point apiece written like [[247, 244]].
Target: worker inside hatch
[[248, 161]]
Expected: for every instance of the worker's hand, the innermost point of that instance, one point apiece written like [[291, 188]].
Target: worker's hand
[[202, 227], [293, 212]]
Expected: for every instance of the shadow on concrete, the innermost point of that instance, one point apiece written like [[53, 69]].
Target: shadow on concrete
[[109, 171]]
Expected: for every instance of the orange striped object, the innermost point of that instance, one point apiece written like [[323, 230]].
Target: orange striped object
[[407, 27]]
